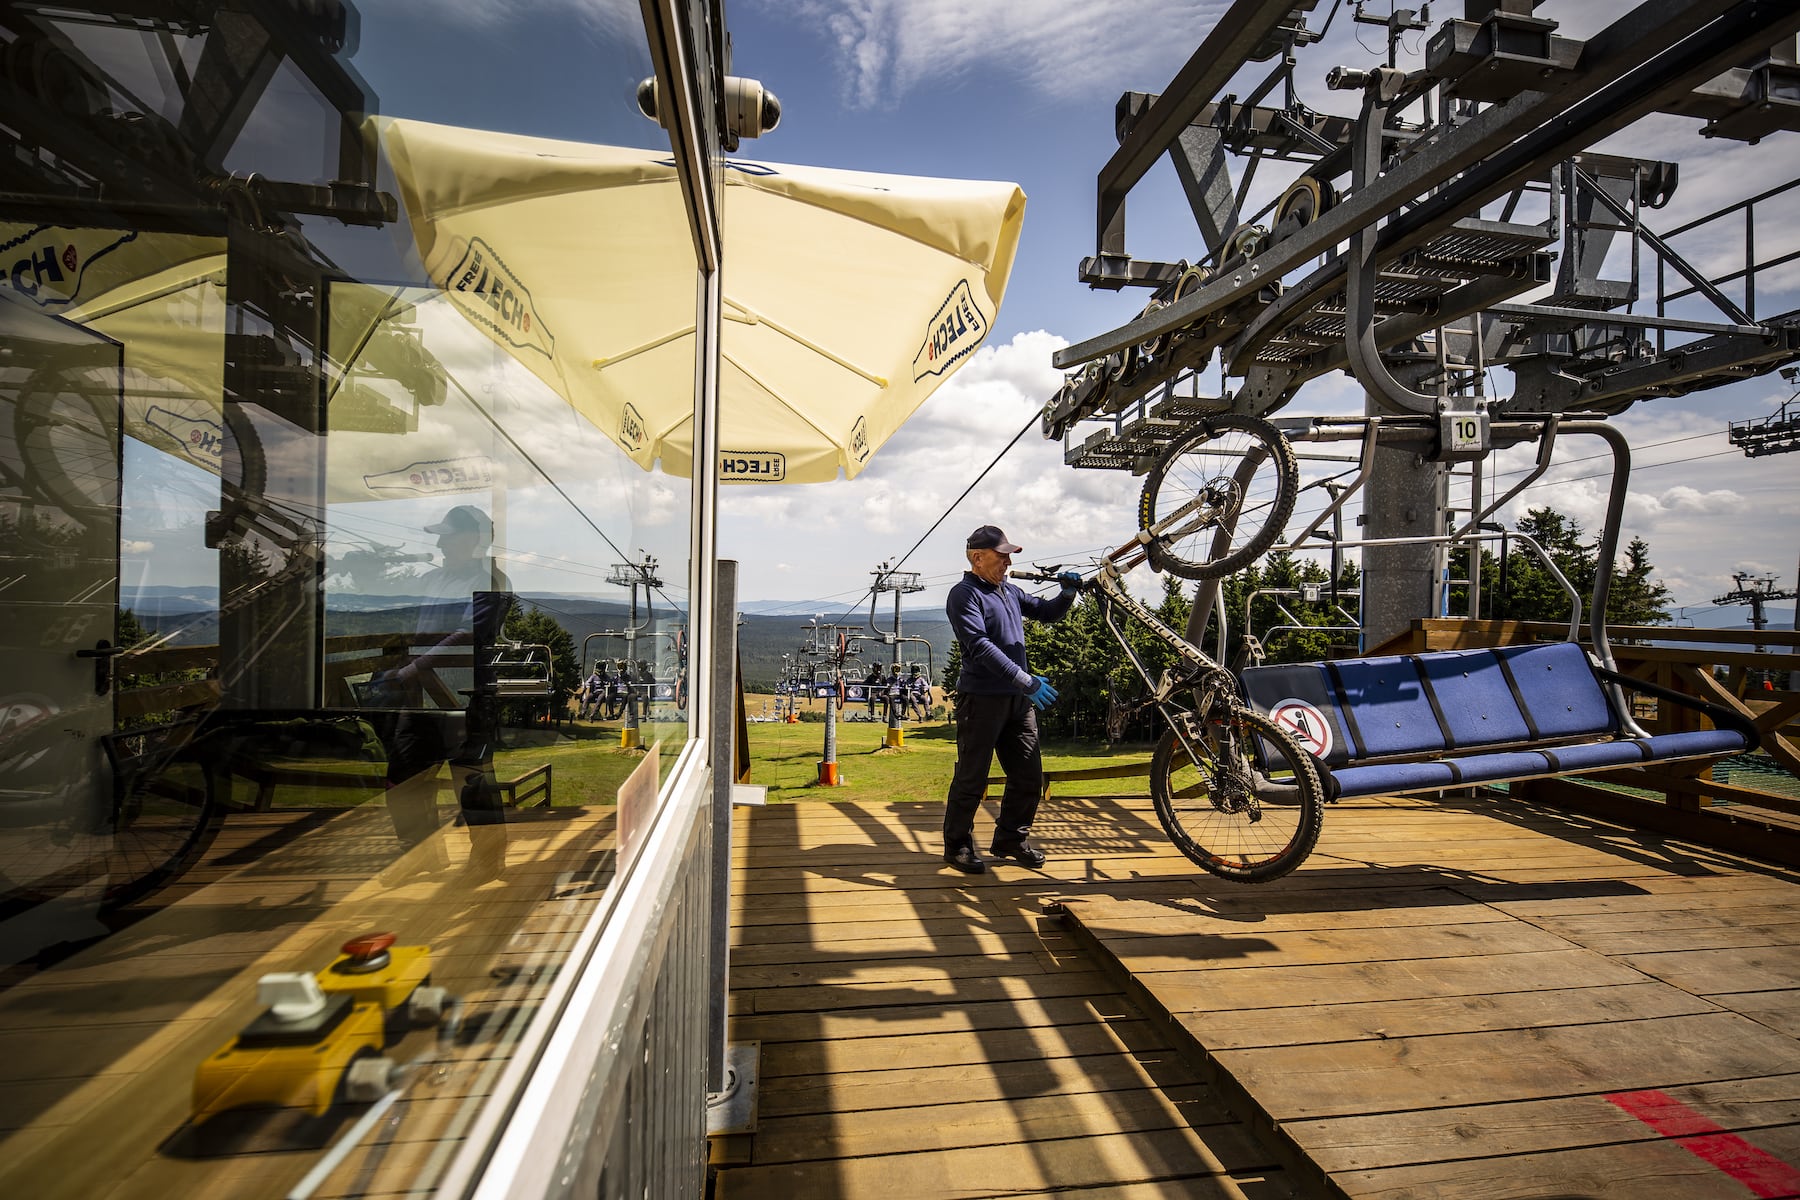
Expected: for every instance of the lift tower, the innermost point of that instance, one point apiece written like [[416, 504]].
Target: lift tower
[[901, 583], [1450, 222], [634, 575], [1776, 434]]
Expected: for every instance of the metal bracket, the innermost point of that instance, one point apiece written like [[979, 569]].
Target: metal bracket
[[732, 1109]]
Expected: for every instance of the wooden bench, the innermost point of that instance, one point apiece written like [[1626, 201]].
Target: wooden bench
[[1453, 718]]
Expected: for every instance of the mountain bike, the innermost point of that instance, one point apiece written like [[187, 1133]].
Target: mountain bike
[[1234, 792], [1218, 496]]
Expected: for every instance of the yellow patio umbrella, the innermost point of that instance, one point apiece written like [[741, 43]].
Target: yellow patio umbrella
[[848, 297]]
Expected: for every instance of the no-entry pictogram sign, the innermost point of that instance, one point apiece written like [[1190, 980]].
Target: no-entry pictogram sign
[[1305, 723]]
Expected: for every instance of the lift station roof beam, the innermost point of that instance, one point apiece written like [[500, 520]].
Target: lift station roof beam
[[1498, 149]]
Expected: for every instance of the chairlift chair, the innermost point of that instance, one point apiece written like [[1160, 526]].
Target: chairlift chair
[[521, 670]]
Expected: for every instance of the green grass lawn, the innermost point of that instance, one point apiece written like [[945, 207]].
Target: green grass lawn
[[785, 759], [589, 767]]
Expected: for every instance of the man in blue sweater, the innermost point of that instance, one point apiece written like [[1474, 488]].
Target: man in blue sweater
[[997, 698]]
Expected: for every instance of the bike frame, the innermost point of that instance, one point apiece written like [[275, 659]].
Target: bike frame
[[1210, 682]]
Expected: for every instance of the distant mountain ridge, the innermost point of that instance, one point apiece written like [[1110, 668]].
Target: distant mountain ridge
[[189, 617]]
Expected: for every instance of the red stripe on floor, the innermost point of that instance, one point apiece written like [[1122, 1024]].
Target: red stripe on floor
[[1757, 1170]]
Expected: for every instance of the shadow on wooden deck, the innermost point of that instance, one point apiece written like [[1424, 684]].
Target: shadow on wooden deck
[[929, 1034]]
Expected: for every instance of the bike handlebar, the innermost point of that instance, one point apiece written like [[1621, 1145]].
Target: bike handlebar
[[1049, 575]]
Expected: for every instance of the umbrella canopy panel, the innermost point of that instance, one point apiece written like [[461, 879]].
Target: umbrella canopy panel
[[848, 297]]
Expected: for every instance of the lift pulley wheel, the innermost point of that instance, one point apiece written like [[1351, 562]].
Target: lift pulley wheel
[[1153, 347], [1304, 202], [1189, 282]]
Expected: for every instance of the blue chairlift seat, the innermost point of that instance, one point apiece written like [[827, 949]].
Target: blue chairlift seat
[[1424, 722]]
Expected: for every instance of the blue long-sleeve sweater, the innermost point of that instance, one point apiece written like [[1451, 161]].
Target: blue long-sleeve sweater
[[989, 621]]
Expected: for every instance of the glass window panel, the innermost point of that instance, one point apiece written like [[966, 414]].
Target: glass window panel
[[335, 612]]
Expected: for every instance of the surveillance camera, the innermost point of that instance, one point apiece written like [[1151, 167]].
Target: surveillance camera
[[750, 110]]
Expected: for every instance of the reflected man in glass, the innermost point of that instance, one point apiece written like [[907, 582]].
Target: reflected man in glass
[[447, 694]]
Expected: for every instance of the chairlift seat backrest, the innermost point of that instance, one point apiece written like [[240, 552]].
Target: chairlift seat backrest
[[1557, 692], [1386, 706], [521, 670], [1420, 722], [1411, 705], [1479, 708]]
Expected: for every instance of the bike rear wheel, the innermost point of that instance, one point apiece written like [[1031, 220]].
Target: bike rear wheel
[[1236, 477], [160, 824], [1204, 808]]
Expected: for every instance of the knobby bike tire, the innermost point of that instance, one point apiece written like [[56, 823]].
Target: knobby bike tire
[[1189, 464], [1230, 844], [156, 854]]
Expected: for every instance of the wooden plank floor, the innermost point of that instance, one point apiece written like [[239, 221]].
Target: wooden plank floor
[[925, 1034], [1476, 998]]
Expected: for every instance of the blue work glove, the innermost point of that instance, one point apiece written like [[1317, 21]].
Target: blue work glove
[[1043, 695], [1070, 580]]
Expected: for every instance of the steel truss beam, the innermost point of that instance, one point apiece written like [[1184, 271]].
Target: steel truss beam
[[1614, 84]]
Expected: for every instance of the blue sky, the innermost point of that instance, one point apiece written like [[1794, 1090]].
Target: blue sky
[[1027, 95], [1024, 92]]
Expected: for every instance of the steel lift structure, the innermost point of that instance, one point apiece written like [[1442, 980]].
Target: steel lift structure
[[1412, 228]]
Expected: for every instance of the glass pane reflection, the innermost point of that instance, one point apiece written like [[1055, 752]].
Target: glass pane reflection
[[329, 621]]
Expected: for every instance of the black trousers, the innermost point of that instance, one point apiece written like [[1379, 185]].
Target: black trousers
[[989, 727]]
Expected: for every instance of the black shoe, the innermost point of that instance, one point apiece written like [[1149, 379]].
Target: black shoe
[[964, 859], [1025, 854]]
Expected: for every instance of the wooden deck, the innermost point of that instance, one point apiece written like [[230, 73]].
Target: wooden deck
[[1453, 998], [927, 1034]]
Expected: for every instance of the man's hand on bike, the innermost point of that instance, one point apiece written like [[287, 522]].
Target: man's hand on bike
[[1069, 581], [1043, 695]]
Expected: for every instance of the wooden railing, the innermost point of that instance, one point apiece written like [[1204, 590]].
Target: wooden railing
[[346, 658]]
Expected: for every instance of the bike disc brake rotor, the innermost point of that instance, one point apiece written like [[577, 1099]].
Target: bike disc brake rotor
[[1233, 791], [1223, 499]]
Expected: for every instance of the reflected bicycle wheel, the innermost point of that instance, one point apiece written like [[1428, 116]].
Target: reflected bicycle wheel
[[157, 824], [66, 428], [1227, 814], [1225, 491]]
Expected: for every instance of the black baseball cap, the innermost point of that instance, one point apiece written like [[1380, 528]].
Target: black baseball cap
[[464, 518], [989, 537]]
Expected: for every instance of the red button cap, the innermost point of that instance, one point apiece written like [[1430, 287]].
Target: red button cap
[[369, 945]]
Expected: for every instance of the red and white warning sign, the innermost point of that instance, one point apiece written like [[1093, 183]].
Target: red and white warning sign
[[1305, 723]]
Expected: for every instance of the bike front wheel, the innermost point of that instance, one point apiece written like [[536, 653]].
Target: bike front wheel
[[1230, 815], [1225, 491]]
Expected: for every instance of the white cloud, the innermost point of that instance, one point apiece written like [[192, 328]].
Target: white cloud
[[1687, 499], [1057, 514], [1060, 48]]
